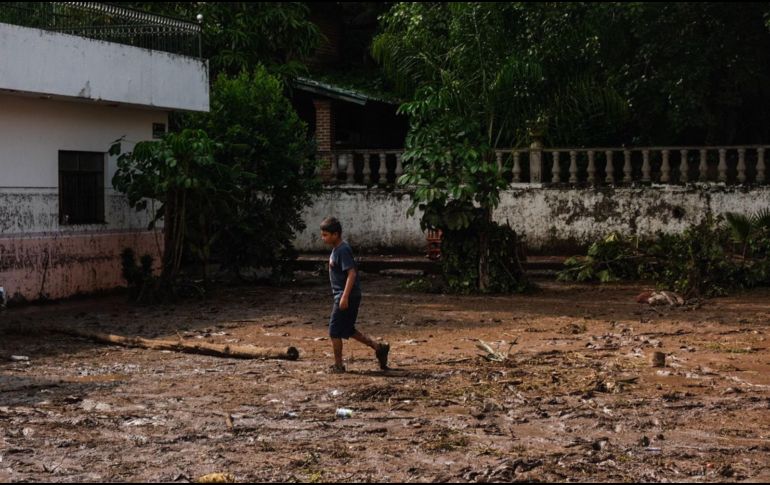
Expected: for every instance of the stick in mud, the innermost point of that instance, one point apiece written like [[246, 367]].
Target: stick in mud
[[232, 351]]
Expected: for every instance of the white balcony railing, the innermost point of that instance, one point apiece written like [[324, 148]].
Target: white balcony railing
[[611, 166]]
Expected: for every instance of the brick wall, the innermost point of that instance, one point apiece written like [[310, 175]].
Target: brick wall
[[324, 124]]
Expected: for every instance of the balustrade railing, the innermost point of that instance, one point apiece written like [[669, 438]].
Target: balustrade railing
[[732, 165], [729, 165], [367, 167]]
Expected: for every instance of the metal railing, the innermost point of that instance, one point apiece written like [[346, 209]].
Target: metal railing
[[109, 23]]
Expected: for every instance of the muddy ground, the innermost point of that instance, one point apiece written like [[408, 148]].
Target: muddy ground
[[577, 401]]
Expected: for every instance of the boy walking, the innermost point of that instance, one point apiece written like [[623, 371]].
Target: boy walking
[[346, 289]]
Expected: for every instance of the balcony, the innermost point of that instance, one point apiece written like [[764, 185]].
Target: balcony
[[110, 23], [102, 53]]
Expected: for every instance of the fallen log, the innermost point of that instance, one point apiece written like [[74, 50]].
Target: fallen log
[[233, 351]]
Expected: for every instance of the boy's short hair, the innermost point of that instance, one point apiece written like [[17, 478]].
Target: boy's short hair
[[331, 225]]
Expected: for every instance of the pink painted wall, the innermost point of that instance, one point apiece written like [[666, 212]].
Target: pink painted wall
[[39, 257], [61, 265]]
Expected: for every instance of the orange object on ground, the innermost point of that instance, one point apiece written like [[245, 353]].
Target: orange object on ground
[[434, 243]]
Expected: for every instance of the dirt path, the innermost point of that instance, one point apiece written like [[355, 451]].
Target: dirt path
[[578, 401]]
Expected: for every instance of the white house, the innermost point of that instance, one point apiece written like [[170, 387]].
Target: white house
[[64, 98]]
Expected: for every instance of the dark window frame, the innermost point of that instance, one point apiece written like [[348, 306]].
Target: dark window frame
[[81, 187]]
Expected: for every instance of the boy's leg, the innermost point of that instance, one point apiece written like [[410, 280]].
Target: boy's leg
[[338, 329], [380, 350], [337, 346], [365, 340]]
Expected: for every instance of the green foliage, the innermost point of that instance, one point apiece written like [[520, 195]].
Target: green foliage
[[693, 72], [582, 73], [613, 259], [472, 89], [425, 284], [697, 262], [231, 187], [261, 139], [239, 36], [180, 173], [460, 260], [142, 284], [750, 232], [513, 68], [448, 164], [702, 261]]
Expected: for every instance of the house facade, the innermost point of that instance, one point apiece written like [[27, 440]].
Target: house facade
[[64, 99]]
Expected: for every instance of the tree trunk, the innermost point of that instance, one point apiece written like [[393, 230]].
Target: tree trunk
[[484, 251], [169, 232], [232, 351]]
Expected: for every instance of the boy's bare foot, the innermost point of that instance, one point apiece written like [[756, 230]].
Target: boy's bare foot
[[337, 369], [382, 355]]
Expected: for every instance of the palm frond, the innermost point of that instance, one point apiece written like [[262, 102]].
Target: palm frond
[[740, 227], [761, 220]]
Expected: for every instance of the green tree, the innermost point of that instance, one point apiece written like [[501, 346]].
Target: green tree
[[239, 36], [232, 188], [693, 72], [474, 88], [261, 138], [182, 176], [250, 213]]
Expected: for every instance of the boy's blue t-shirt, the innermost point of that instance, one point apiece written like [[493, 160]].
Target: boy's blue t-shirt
[[340, 262]]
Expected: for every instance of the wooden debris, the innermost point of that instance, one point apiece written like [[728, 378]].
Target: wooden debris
[[217, 350], [216, 478], [493, 355]]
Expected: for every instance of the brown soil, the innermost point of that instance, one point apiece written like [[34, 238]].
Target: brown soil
[[578, 400]]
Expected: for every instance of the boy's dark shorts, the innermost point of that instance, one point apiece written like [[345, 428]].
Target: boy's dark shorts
[[342, 323]]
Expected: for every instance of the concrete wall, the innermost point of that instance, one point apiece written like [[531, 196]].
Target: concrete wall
[[38, 256], [33, 130], [371, 219], [58, 265], [54, 64], [552, 220]]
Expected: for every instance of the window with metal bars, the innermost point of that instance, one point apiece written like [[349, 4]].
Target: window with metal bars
[[81, 187]]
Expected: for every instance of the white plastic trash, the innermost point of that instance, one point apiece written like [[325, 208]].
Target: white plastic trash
[[344, 413]]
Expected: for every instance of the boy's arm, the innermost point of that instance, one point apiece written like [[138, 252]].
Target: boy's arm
[[352, 275]]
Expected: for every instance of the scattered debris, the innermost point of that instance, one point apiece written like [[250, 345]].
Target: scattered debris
[[614, 385], [504, 472], [574, 329], [89, 405], [415, 341], [216, 478], [491, 406], [87, 412], [657, 298], [344, 413], [494, 355]]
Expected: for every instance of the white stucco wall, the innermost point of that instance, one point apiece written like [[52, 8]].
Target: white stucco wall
[[39, 258], [33, 130], [552, 220], [371, 219], [49, 63]]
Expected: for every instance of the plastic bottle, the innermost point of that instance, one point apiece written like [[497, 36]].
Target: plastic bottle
[[344, 413]]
